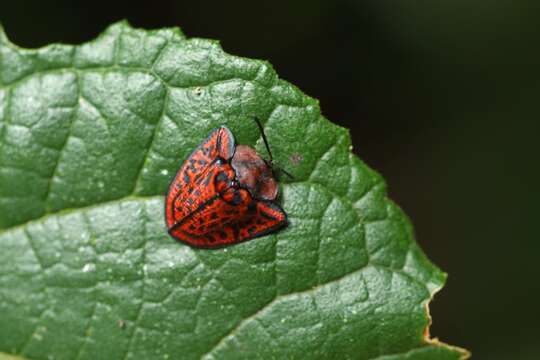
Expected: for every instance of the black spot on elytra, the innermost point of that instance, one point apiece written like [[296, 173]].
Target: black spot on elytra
[[214, 215], [252, 230], [221, 177], [222, 234], [207, 179], [218, 144], [191, 227], [210, 238], [236, 231], [267, 215], [202, 162], [187, 179], [237, 198], [197, 193], [252, 207], [190, 201]]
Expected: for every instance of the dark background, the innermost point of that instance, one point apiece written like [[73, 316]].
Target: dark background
[[441, 97]]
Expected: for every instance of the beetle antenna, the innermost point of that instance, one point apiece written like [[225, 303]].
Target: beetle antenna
[[271, 161], [289, 175], [261, 129]]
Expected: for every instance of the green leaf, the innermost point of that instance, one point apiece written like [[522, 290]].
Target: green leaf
[[90, 137]]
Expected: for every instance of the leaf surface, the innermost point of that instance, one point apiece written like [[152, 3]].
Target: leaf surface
[[90, 137]]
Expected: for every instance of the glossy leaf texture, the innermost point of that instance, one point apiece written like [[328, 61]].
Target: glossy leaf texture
[[90, 137]]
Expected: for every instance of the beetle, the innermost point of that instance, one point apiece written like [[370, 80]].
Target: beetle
[[224, 194]]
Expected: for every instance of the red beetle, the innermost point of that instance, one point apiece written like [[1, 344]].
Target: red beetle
[[223, 194]]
